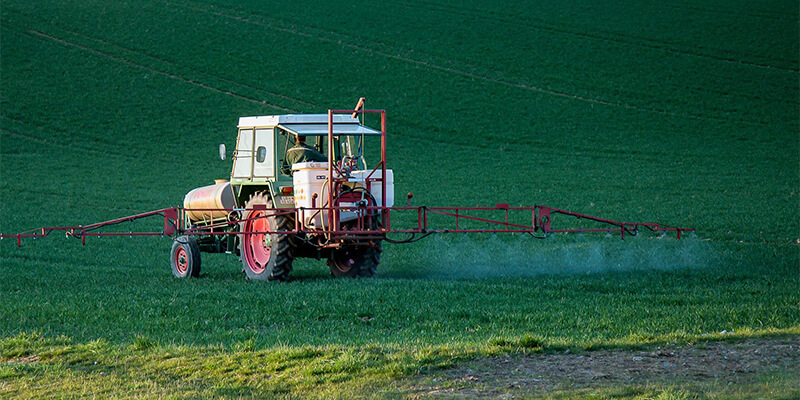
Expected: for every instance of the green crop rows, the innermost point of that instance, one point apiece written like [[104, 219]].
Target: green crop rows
[[685, 113]]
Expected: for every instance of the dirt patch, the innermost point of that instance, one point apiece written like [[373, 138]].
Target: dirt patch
[[24, 360], [727, 362]]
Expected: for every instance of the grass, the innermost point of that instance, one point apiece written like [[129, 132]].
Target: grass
[[144, 369], [680, 113], [399, 308]]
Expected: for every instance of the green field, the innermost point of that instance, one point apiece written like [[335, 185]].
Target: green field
[[685, 113]]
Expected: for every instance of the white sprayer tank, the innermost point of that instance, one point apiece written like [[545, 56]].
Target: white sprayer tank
[[375, 188], [311, 178]]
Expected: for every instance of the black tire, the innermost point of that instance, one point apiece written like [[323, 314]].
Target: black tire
[[355, 261], [185, 257], [265, 257]]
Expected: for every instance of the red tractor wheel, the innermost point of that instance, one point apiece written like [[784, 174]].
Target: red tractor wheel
[[185, 257], [265, 255]]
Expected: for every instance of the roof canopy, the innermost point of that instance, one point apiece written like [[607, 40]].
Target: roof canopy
[[322, 129], [309, 124]]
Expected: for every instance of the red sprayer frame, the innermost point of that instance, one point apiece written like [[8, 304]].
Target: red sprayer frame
[[83, 231], [539, 225]]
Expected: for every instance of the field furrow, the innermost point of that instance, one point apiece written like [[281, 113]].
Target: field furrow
[[534, 24], [403, 55], [768, 12], [151, 69]]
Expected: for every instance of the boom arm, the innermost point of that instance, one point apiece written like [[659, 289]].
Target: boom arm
[[498, 219]]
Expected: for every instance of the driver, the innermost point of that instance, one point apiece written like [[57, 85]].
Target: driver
[[301, 152]]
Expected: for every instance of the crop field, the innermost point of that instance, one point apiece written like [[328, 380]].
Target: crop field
[[683, 112]]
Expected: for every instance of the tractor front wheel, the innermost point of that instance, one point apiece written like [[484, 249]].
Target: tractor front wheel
[[185, 257], [266, 256]]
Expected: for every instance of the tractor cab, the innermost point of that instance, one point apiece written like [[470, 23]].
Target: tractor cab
[[267, 145]]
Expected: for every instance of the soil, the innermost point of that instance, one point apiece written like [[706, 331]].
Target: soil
[[512, 376]]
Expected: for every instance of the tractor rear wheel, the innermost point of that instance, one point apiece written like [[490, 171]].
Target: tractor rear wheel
[[355, 261], [265, 256], [185, 257]]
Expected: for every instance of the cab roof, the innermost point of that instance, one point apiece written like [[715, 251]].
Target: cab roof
[[309, 124]]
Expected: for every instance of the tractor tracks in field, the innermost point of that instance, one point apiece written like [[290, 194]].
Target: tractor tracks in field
[[762, 14], [161, 66], [181, 78], [73, 146], [183, 74], [614, 37], [393, 52], [120, 153], [196, 71]]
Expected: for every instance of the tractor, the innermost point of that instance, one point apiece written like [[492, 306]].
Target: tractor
[[328, 206]]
